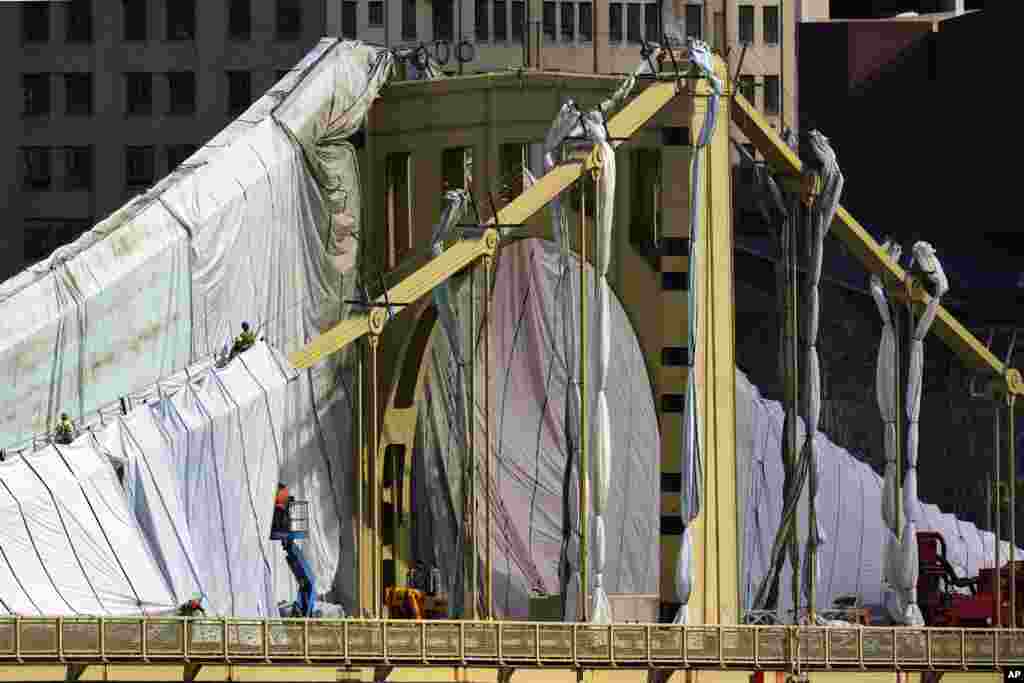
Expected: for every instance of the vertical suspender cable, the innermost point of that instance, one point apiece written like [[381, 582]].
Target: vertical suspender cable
[[375, 490], [1010, 439], [360, 455], [488, 554], [584, 475], [474, 550], [999, 516]]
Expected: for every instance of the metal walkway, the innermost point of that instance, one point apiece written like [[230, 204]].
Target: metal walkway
[[481, 644]]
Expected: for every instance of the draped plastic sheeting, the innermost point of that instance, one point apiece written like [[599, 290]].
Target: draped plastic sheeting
[[849, 511], [203, 459], [700, 55], [70, 544], [819, 156], [260, 224], [529, 388]]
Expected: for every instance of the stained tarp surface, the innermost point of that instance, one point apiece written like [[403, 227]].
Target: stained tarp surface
[[260, 224], [70, 544], [529, 393]]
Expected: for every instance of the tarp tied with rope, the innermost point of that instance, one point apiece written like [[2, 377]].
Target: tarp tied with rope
[[70, 544], [261, 224]]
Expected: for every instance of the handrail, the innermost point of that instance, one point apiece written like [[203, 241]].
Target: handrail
[[496, 644]]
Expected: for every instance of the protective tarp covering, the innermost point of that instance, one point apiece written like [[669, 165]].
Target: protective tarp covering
[[849, 509], [529, 385], [260, 224], [203, 458], [70, 544]]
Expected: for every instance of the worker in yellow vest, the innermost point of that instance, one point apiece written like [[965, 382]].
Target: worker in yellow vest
[[64, 433]]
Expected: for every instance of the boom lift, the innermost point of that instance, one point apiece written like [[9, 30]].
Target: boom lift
[[297, 527]]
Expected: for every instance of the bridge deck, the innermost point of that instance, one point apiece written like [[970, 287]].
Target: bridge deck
[[481, 644]]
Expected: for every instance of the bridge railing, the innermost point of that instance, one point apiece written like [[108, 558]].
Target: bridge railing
[[513, 644]]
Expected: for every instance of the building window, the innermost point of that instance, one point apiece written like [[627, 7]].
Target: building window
[[78, 94], [512, 157], [456, 165], [138, 88], [501, 20], [771, 25], [177, 154], [675, 136], [746, 16], [133, 14], [182, 87], [518, 20], [675, 281], [77, 168], [376, 17], [634, 23], [140, 167], [398, 205], [483, 32], [239, 91], [674, 356], [36, 171], [44, 235], [181, 19], [586, 22], [289, 19], [652, 21], [675, 246], [79, 21], [615, 22], [673, 403], [408, 19], [348, 18], [550, 21], [568, 22], [719, 31], [35, 94], [695, 21], [240, 19], [772, 95], [35, 22], [646, 198], [747, 89], [444, 27]]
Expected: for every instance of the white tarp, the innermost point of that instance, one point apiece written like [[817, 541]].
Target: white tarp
[[849, 510], [70, 544], [260, 224], [203, 461], [529, 383]]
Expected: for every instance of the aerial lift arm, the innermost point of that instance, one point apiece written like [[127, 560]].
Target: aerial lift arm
[[624, 124], [866, 250]]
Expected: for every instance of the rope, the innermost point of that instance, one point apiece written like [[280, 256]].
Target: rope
[[35, 547], [131, 586], [67, 533]]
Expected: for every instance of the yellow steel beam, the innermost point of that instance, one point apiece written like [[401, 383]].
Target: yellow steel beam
[[422, 281], [866, 250], [630, 119]]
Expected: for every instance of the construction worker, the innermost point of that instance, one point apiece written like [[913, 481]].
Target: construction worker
[[64, 432], [192, 608], [281, 501], [243, 342]]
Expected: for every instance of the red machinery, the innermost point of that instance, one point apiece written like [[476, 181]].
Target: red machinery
[[941, 605]]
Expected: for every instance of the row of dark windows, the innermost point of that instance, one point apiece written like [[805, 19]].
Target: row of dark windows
[[138, 93], [502, 20], [77, 166], [179, 20], [43, 235]]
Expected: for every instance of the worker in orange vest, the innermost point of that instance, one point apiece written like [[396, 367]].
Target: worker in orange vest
[[281, 508]]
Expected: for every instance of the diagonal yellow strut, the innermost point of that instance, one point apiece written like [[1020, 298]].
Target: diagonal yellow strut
[[630, 119], [866, 250]]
